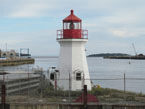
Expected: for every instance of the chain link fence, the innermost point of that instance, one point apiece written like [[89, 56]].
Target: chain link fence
[[35, 89]]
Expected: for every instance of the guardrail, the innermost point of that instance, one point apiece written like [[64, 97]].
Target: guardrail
[[84, 34]]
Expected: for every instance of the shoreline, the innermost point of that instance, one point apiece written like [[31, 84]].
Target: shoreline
[[15, 62]]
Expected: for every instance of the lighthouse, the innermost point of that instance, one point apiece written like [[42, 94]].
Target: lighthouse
[[73, 65]]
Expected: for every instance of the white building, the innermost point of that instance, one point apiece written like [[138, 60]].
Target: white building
[[8, 54], [73, 66]]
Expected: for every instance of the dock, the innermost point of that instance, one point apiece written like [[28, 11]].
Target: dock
[[14, 62]]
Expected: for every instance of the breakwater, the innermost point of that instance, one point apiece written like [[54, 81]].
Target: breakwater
[[14, 62]]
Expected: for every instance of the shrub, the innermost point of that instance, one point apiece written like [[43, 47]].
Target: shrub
[[130, 98], [100, 92], [60, 93]]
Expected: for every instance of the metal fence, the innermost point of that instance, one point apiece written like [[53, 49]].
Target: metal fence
[[37, 91]]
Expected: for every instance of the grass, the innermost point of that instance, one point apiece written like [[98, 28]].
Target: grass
[[103, 94]]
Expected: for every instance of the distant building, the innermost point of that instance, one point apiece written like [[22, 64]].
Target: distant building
[[8, 54]]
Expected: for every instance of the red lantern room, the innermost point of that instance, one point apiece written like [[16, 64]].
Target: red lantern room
[[72, 28]]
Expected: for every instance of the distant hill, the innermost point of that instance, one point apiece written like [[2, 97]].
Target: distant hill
[[108, 55]]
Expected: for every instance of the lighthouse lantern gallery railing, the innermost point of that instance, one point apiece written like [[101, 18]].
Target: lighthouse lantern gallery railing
[[84, 34]]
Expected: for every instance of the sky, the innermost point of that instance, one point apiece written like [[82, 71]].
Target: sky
[[113, 25]]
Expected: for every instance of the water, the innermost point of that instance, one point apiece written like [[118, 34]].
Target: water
[[115, 69], [100, 68]]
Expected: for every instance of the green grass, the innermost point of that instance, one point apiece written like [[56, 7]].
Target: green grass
[[103, 94]]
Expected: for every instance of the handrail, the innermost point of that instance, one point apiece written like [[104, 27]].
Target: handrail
[[84, 34]]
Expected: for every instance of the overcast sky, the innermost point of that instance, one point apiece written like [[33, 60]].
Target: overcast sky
[[113, 25]]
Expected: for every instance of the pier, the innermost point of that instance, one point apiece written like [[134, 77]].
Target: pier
[[14, 62]]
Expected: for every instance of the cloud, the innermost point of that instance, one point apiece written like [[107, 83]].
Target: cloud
[[37, 8], [26, 8], [14, 41], [104, 46], [123, 33], [128, 32], [40, 43], [33, 23], [30, 10]]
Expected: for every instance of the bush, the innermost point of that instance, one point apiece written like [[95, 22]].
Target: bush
[[100, 92], [76, 93], [117, 95], [60, 93], [130, 98], [114, 95]]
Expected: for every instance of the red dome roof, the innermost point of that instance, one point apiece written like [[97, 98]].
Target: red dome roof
[[72, 17]]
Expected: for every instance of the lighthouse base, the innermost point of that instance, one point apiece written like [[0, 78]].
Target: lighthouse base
[[73, 65]]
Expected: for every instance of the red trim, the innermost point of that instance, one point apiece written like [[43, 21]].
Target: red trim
[[71, 18]]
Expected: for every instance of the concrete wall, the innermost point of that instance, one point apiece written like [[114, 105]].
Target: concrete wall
[[70, 106]]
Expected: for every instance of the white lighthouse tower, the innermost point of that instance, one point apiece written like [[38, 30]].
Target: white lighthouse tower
[[73, 65]]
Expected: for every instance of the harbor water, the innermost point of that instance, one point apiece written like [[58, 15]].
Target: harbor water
[[108, 73]]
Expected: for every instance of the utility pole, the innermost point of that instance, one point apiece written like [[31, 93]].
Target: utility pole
[[85, 97], [6, 46], [3, 95], [55, 78]]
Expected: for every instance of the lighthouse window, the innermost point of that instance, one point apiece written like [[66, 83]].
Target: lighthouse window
[[52, 76], [72, 26], [78, 76], [68, 25], [77, 25]]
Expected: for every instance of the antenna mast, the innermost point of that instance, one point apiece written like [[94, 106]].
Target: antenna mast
[[134, 49]]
